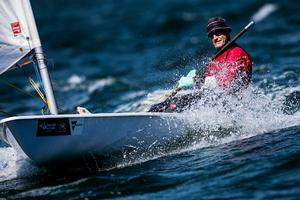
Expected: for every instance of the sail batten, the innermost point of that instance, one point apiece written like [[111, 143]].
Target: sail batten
[[18, 33]]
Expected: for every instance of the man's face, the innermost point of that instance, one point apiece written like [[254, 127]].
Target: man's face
[[219, 38]]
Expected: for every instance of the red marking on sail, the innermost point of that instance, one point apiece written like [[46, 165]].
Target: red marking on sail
[[16, 28]]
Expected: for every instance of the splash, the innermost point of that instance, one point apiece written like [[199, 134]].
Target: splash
[[250, 114], [7, 163], [14, 165], [217, 119]]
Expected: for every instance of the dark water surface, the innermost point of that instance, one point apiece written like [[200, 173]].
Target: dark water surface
[[108, 55]]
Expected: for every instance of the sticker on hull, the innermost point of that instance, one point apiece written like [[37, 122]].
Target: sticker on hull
[[53, 127], [76, 126]]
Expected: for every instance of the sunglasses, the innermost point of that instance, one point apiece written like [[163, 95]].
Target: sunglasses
[[217, 33]]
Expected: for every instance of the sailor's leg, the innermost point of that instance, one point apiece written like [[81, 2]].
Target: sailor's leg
[[176, 104], [160, 107]]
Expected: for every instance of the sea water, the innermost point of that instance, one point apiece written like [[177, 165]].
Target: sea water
[[115, 56]]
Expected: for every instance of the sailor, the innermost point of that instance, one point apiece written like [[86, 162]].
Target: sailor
[[231, 70]]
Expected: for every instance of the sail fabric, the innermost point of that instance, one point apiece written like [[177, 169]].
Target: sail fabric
[[18, 33]]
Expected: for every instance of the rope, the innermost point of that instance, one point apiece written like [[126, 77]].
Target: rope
[[37, 74], [17, 88], [7, 114], [35, 86], [37, 89], [32, 82]]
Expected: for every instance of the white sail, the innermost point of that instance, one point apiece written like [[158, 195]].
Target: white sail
[[18, 34]]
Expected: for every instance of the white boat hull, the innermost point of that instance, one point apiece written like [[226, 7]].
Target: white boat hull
[[59, 138]]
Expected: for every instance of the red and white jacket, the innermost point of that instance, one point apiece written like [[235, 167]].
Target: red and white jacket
[[231, 68]]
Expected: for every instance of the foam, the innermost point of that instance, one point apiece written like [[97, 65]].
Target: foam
[[100, 84]]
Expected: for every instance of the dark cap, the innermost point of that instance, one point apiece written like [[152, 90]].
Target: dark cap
[[216, 23]]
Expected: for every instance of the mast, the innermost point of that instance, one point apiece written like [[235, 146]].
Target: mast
[[35, 39], [46, 80]]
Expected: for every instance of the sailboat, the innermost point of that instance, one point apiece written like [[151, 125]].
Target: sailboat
[[55, 137]]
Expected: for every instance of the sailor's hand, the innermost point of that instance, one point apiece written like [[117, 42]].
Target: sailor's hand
[[192, 74], [188, 80]]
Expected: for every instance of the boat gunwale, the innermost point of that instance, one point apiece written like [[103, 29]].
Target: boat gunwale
[[96, 115]]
